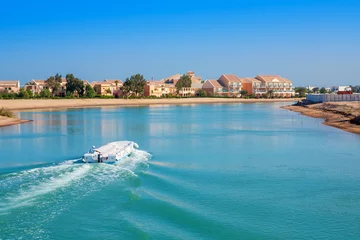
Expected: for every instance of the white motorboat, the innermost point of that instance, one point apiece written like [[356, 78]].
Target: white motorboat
[[110, 153]]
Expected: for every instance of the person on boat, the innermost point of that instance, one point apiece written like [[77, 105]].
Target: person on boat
[[92, 150]]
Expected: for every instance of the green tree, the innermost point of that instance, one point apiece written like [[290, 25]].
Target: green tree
[[243, 93], [301, 91], [90, 92], [134, 84], [323, 90], [74, 84], [54, 83], [202, 93], [30, 93], [184, 82], [315, 90], [45, 93], [116, 84], [23, 94]]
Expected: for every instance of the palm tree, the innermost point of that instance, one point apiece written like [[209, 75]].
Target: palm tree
[[116, 84]]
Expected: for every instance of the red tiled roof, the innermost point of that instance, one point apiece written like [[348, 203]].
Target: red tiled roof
[[270, 78], [232, 78], [113, 80], [39, 82], [174, 77], [155, 82], [215, 83], [250, 80], [10, 83], [100, 83]]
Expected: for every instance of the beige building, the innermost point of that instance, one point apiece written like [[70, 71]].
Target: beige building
[[103, 88], [194, 79], [213, 87], [176, 77], [187, 92], [108, 87], [10, 86], [231, 83], [36, 86], [277, 85], [196, 87], [159, 89], [116, 83]]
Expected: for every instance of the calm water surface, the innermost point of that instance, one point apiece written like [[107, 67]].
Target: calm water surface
[[237, 171]]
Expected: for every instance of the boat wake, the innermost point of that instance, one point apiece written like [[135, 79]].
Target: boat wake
[[47, 184]]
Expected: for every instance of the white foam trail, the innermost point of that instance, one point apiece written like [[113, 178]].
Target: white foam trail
[[70, 162], [34, 183], [51, 185], [137, 158]]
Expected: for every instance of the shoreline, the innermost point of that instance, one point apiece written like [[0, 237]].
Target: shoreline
[[5, 121], [32, 104], [335, 114]]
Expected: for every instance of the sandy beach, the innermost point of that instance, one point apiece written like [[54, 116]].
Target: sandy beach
[[29, 104], [342, 115]]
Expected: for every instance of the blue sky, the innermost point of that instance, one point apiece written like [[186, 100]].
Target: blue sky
[[310, 42]]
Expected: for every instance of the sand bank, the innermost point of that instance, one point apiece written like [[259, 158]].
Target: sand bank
[[343, 115], [29, 104], [5, 121]]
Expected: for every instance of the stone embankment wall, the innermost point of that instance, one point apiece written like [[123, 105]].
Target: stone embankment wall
[[318, 98]]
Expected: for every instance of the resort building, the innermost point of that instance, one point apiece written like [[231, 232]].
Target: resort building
[[108, 87], [168, 86], [36, 86], [187, 92], [196, 87], [213, 87], [158, 89], [172, 79], [265, 84], [176, 77], [194, 79], [10, 86], [252, 86], [103, 88], [231, 83], [116, 83]]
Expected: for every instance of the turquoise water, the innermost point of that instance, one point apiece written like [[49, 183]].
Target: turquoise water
[[237, 171]]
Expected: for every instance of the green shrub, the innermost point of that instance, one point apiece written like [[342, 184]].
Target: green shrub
[[23, 94], [6, 113], [202, 93], [104, 97], [45, 93], [90, 92]]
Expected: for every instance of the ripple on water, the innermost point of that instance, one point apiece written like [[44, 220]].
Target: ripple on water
[[48, 191]]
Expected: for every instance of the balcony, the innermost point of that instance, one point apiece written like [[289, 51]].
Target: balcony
[[259, 86], [259, 91], [221, 91]]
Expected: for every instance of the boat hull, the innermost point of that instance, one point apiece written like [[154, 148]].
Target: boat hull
[[110, 153]]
